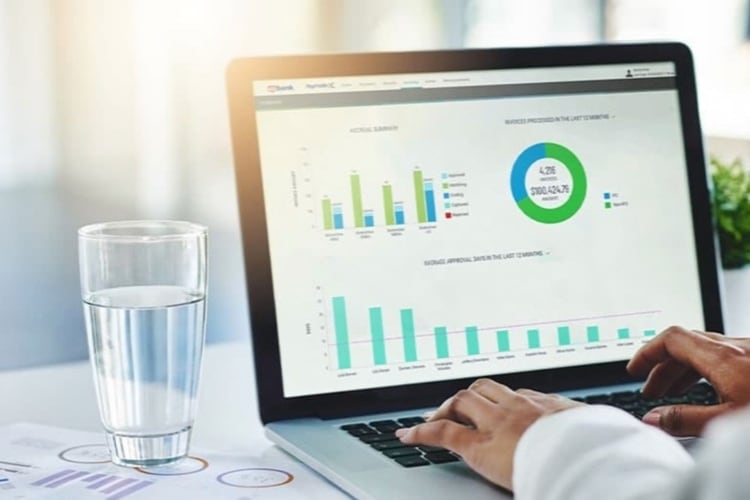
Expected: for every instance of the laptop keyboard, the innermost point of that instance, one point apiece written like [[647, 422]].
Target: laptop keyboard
[[634, 403], [380, 434]]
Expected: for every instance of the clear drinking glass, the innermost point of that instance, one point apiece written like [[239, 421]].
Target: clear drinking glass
[[143, 285]]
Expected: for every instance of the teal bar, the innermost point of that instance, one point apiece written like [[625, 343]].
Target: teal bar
[[378, 337], [472, 340], [410, 341], [592, 332], [649, 333], [441, 341], [533, 336], [623, 333], [342, 333], [503, 343], [563, 335]]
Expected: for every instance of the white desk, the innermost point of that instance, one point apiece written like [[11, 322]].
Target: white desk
[[64, 396], [227, 423]]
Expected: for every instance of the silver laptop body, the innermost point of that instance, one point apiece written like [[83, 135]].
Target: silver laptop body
[[414, 221]]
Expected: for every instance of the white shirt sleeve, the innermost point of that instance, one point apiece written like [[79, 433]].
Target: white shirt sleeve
[[722, 469], [598, 452]]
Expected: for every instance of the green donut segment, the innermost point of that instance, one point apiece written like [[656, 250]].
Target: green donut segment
[[578, 191]]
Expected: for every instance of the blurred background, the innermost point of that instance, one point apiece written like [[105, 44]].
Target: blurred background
[[116, 109]]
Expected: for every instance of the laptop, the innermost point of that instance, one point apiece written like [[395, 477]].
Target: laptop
[[414, 221]]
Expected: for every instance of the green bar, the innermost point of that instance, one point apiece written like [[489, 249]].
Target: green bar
[[359, 216], [563, 335], [623, 333], [533, 336], [378, 337], [592, 332], [441, 341], [472, 340], [390, 214], [419, 194], [327, 215], [649, 333], [342, 333], [503, 342], [410, 341]]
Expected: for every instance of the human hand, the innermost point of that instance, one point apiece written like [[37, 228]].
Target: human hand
[[483, 424], [676, 359]]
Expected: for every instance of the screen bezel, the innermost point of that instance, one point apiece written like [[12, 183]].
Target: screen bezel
[[241, 74]]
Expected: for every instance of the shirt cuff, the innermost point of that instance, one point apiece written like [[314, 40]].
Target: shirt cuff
[[588, 451]]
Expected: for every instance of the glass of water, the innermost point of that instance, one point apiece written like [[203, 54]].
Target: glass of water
[[143, 285]]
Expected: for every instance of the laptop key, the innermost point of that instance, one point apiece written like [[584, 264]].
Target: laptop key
[[377, 438], [387, 445], [410, 421], [598, 399], [378, 423], [349, 427], [385, 425], [625, 397], [362, 432], [401, 452], [411, 461], [441, 457], [388, 428], [429, 449], [634, 403], [675, 400]]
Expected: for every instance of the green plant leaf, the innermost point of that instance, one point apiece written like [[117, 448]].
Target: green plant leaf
[[731, 207]]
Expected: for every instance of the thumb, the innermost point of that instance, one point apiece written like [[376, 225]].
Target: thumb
[[443, 433], [683, 420]]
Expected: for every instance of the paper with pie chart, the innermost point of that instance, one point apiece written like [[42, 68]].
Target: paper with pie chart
[[40, 462]]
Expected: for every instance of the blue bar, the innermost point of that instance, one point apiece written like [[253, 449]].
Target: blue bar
[[369, 219], [592, 333], [409, 335], [533, 338], [441, 341], [102, 482], [51, 478], [118, 485], [338, 217], [472, 340], [623, 333], [649, 333], [342, 333], [429, 198], [503, 341], [563, 335], [378, 335], [399, 214], [129, 490], [66, 479], [93, 477]]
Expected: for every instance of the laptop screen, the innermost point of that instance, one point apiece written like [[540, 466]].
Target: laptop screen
[[436, 226]]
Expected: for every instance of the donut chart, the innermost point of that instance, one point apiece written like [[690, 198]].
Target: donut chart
[[547, 187], [86, 454], [255, 477], [186, 466]]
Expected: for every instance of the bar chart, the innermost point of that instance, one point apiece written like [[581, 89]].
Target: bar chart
[[407, 344], [368, 205], [112, 486]]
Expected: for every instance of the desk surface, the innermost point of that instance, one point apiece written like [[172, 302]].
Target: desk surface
[[63, 396]]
